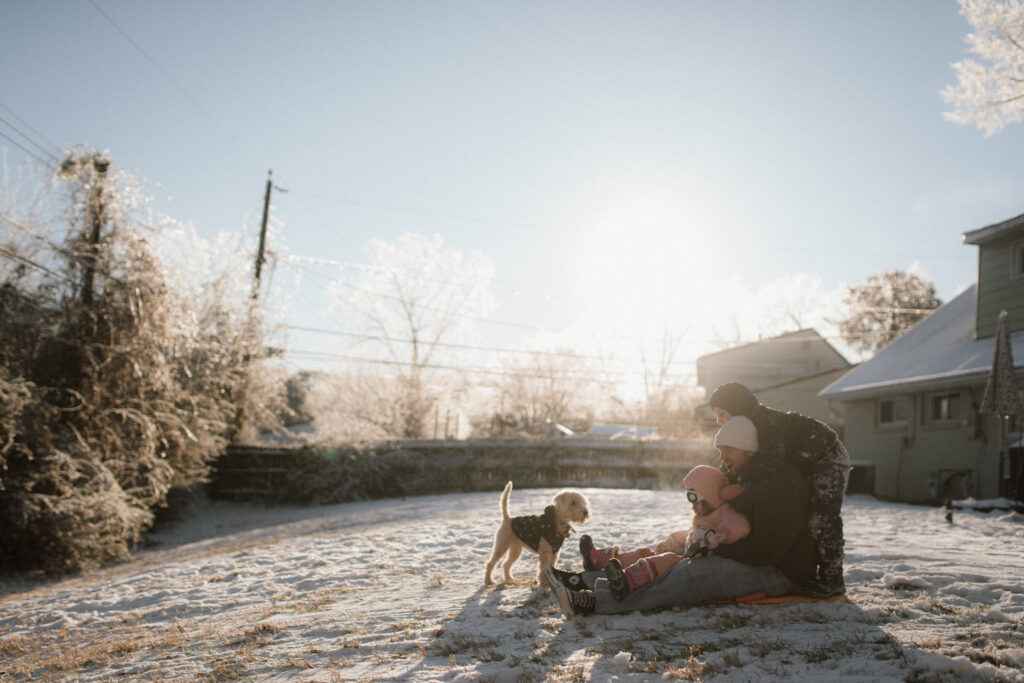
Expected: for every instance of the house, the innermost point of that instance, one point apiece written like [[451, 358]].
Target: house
[[785, 372], [911, 412]]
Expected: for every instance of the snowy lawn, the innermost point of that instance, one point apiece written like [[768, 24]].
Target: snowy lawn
[[394, 590]]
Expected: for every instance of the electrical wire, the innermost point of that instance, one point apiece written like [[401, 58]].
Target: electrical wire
[[29, 126], [24, 149], [18, 258], [29, 231], [587, 376], [464, 347], [53, 157], [163, 72]]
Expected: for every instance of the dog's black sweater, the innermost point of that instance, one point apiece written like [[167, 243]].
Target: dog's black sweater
[[531, 528]]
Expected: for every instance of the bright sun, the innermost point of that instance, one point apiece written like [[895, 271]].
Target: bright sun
[[650, 254], [643, 269]]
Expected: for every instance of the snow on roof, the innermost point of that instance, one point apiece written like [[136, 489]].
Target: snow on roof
[[940, 351]]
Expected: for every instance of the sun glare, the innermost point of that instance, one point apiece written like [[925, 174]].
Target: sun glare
[[643, 268], [651, 256]]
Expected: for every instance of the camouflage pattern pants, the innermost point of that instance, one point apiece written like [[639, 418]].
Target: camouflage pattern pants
[[828, 479]]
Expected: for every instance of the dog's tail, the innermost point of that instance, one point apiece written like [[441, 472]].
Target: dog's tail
[[504, 501]]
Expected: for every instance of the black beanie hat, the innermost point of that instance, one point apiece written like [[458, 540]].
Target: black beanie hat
[[734, 398]]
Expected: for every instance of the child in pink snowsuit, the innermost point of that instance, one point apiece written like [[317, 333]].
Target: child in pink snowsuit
[[714, 522]]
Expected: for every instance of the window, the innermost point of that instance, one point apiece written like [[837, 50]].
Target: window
[[945, 407], [893, 411], [1018, 259]]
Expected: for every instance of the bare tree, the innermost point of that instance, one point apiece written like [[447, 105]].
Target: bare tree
[[413, 300], [544, 388], [657, 374], [885, 306], [990, 93]]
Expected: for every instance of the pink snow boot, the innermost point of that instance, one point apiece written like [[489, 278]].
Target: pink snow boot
[[622, 582], [595, 558]]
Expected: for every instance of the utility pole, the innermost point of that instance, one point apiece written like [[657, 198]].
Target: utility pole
[[263, 240], [249, 332], [96, 214]]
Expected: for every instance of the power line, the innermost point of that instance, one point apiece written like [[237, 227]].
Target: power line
[[32, 233], [464, 347], [24, 149], [27, 125], [480, 319], [181, 89], [781, 339], [591, 376], [18, 258], [32, 142]]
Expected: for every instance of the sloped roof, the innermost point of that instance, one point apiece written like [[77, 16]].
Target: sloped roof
[[805, 378], [808, 333], [994, 231], [940, 351]]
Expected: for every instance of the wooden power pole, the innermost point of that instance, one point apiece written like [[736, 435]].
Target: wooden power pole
[[250, 326], [263, 240]]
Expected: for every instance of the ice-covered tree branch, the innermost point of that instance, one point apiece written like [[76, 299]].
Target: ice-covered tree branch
[[989, 93]]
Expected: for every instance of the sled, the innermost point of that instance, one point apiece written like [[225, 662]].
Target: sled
[[760, 599]]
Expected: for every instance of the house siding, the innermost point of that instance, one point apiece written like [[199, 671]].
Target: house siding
[[802, 396], [922, 461], [997, 288], [879, 448]]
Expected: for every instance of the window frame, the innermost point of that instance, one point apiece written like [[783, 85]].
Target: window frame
[[1017, 260], [947, 397], [892, 423]]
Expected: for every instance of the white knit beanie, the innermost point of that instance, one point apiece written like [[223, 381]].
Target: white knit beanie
[[738, 432]]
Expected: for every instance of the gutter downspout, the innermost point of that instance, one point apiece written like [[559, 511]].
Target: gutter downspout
[[907, 444]]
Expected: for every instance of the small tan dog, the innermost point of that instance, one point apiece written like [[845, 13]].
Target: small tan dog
[[543, 534]]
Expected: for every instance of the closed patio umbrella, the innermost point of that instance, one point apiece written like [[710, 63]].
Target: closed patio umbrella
[[1001, 390]]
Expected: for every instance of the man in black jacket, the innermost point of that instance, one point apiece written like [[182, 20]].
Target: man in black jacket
[[813, 448]]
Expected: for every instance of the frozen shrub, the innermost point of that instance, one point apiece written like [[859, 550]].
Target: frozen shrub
[[345, 474], [117, 383], [70, 514]]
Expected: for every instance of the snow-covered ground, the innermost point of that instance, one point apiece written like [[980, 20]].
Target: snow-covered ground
[[393, 590]]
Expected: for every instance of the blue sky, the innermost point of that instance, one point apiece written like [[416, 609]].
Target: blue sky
[[651, 165]]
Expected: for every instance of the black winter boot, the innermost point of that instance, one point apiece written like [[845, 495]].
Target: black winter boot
[[617, 582], [571, 580], [830, 583], [586, 546], [573, 603]]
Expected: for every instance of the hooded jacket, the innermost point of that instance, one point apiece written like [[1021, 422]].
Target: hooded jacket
[[713, 487]]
